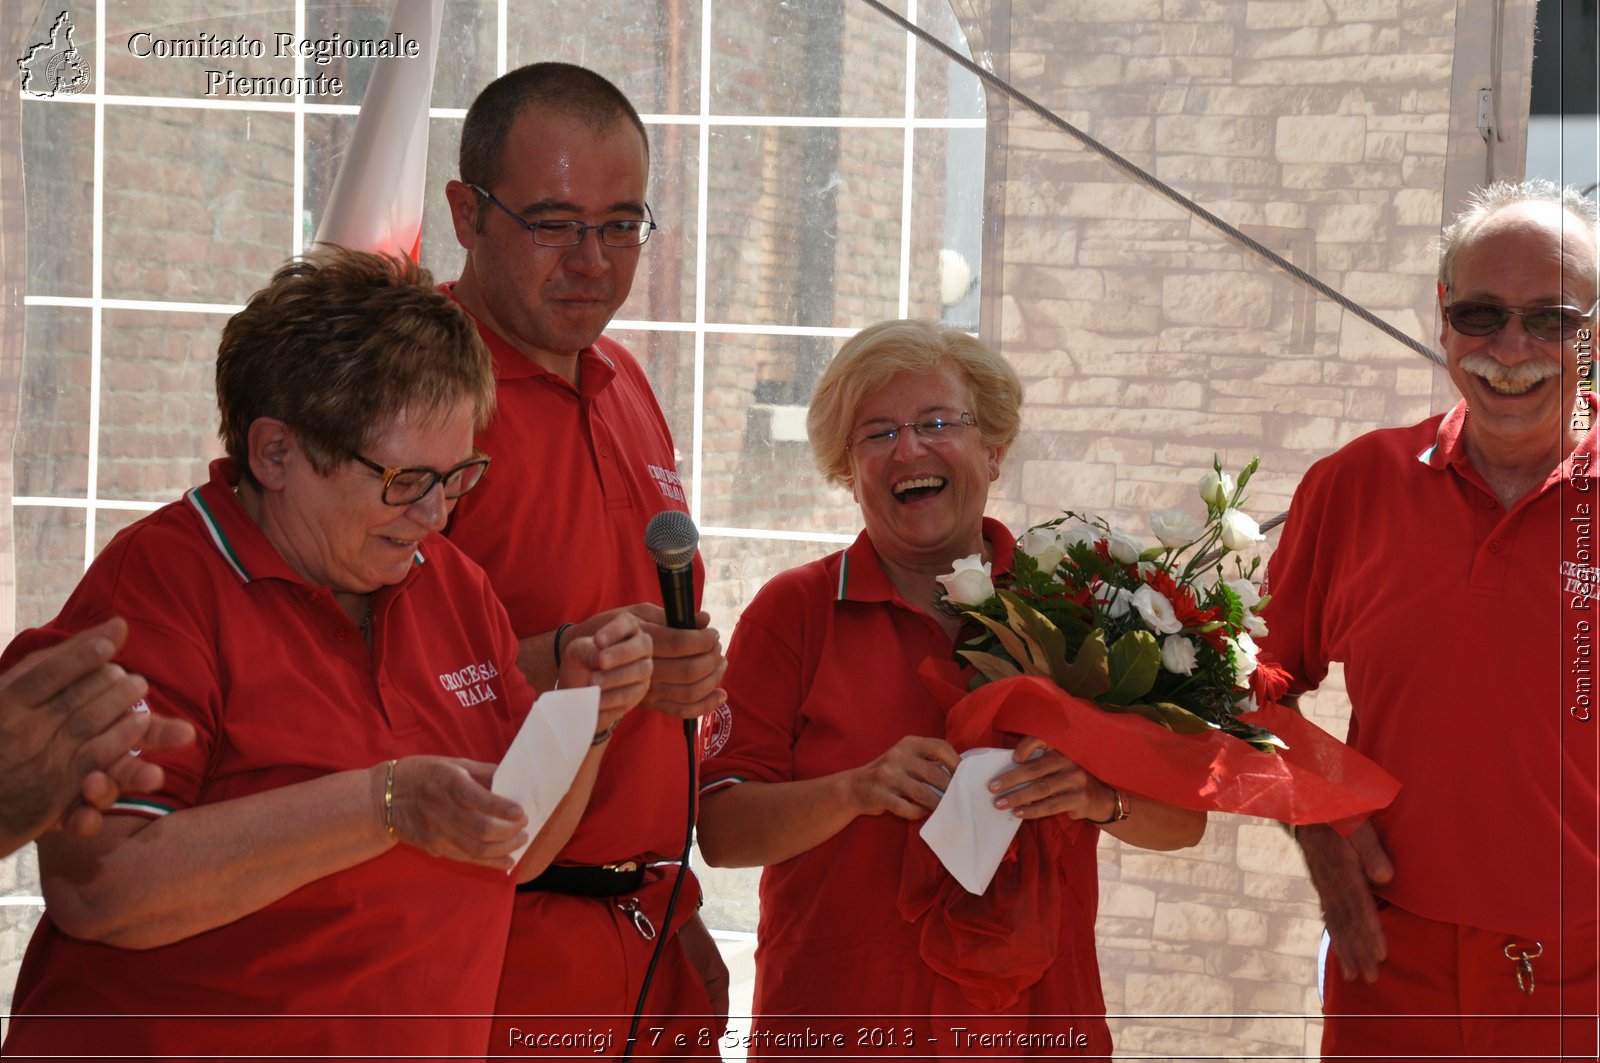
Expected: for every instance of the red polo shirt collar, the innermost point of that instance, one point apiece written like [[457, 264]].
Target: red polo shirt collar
[[1449, 449], [596, 370], [862, 578], [236, 537]]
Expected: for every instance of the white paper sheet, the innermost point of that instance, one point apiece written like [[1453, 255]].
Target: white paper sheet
[[538, 769], [966, 831]]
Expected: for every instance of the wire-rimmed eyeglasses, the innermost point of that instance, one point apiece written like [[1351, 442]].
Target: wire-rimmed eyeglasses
[[937, 431], [624, 232], [404, 485]]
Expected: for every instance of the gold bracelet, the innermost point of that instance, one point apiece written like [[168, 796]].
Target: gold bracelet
[[388, 800], [1120, 813]]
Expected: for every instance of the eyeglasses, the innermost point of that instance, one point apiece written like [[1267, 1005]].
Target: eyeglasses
[[403, 486], [938, 432], [627, 232], [1540, 322]]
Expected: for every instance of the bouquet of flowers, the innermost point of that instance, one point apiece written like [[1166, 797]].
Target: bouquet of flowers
[[1095, 636], [1158, 631], [1139, 663]]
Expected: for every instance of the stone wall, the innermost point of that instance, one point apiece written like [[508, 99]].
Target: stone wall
[[1148, 343]]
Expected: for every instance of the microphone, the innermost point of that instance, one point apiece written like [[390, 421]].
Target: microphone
[[671, 538]]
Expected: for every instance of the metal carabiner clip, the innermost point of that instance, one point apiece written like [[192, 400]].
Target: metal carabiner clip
[[1524, 964], [629, 906]]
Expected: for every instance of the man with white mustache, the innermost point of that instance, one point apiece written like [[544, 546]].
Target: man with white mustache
[[1450, 566]]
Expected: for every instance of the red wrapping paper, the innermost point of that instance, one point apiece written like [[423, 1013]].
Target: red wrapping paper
[[995, 946], [1318, 779]]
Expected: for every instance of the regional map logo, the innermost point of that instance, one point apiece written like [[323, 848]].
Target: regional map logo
[[55, 67]]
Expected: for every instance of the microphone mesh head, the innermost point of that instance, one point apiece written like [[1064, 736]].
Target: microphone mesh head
[[671, 538]]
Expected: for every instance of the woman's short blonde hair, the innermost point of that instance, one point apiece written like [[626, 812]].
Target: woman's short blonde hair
[[873, 356]]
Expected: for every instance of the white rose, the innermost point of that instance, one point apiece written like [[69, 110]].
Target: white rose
[[1246, 591], [1244, 651], [1080, 533], [1239, 530], [1124, 547], [1178, 655], [968, 582], [1216, 488], [1255, 625], [1175, 528], [1156, 610], [1113, 599], [1044, 546]]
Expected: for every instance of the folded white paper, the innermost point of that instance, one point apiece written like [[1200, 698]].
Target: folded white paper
[[966, 831], [538, 769]]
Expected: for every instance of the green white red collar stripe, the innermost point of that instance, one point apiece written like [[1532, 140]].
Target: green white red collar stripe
[[142, 806], [219, 538]]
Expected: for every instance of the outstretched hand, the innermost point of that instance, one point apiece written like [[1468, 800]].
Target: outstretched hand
[[66, 733]]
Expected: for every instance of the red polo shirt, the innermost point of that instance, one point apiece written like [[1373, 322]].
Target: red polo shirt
[[281, 688], [822, 678], [558, 524], [1454, 619]]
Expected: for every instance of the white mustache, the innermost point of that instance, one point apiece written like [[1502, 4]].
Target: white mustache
[[1523, 373]]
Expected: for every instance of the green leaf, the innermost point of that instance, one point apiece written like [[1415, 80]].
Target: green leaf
[[1134, 662], [991, 667], [1088, 676], [1012, 643], [1045, 638]]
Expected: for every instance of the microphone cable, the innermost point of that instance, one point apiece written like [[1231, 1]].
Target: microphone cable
[[672, 539], [672, 898]]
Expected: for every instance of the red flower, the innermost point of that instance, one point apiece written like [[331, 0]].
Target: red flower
[[1181, 595], [1268, 682]]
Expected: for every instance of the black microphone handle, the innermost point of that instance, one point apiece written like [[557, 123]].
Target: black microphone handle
[[677, 595]]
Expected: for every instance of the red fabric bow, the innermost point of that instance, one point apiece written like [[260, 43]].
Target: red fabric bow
[[995, 946], [1318, 779]]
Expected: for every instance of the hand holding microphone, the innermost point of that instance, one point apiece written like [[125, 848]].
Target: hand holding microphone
[[688, 653]]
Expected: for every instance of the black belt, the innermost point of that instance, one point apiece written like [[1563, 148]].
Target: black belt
[[609, 880]]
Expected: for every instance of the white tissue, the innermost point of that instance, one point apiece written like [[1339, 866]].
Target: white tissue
[[966, 831]]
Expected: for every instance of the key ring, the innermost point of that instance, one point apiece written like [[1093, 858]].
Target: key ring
[[1524, 964], [629, 906]]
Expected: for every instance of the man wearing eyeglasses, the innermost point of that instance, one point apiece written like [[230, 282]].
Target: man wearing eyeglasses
[[1451, 567], [551, 210]]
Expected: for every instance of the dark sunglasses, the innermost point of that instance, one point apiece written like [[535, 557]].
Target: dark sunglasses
[[1540, 322]]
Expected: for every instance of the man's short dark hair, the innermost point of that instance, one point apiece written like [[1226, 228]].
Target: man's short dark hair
[[562, 88]]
